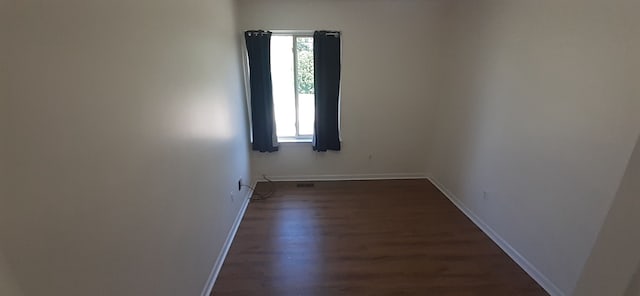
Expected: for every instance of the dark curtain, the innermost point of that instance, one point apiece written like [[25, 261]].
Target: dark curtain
[[262, 115], [326, 62]]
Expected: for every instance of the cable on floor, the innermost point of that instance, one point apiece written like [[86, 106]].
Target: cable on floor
[[255, 195]]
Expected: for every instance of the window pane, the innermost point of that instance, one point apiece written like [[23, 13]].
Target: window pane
[[305, 89], [306, 109], [283, 85]]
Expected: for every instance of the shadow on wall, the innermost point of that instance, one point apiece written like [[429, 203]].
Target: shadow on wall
[[634, 287], [616, 254]]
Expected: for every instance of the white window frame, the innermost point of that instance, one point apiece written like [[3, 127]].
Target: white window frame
[[295, 34]]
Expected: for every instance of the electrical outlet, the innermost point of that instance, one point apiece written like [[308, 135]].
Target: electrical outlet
[[233, 198], [239, 184], [485, 195]]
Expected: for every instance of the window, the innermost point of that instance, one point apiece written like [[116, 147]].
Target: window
[[293, 89]]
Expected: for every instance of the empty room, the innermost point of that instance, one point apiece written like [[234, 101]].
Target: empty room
[[319, 147]]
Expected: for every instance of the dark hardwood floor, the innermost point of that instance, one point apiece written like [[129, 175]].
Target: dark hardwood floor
[[365, 238]]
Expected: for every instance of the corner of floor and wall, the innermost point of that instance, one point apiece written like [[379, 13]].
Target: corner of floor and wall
[[535, 129]]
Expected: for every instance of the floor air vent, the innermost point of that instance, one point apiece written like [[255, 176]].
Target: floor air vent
[[304, 185]]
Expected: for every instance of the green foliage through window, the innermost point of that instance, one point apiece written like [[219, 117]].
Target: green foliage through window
[[304, 51]]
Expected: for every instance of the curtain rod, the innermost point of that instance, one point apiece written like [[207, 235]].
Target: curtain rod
[[256, 32], [293, 32]]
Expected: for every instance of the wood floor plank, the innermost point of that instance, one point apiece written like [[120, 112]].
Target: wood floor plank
[[391, 237]]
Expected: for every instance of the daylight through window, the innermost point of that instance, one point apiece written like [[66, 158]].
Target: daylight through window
[[293, 90]]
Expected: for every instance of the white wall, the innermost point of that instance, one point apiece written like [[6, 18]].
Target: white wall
[[8, 285], [540, 112], [128, 134], [616, 254], [4, 93], [389, 68]]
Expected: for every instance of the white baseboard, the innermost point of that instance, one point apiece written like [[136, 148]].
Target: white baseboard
[[346, 177], [227, 244], [529, 268]]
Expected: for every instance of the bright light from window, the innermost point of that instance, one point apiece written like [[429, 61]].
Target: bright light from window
[[293, 89], [304, 88]]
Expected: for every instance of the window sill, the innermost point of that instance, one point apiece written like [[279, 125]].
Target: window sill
[[294, 140]]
